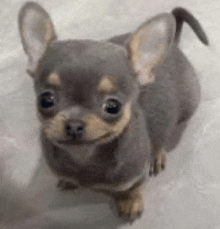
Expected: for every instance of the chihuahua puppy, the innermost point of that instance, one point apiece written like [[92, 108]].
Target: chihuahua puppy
[[109, 108]]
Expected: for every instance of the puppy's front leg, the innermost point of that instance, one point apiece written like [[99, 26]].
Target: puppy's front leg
[[130, 204]]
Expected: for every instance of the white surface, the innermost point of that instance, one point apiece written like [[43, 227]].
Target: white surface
[[186, 195]]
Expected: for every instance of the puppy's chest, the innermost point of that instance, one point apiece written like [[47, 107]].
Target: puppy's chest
[[86, 168]]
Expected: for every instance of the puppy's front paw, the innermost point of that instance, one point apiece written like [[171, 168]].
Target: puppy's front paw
[[64, 185], [130, 205], [159, 163]]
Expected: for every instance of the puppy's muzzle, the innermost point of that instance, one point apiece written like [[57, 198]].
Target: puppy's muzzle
[[75, 129]]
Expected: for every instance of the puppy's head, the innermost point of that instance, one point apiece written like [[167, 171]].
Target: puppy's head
[[86, 89]]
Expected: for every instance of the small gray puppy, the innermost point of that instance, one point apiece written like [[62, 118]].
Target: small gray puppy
[[109, 108]]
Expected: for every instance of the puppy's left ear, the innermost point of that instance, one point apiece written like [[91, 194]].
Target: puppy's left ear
[[149, 45], [36, 31]]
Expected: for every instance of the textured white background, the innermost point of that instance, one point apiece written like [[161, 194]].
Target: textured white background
[[186, 195]]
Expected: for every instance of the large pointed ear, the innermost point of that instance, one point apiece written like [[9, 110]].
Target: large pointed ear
[[36, 31], [149, 45]]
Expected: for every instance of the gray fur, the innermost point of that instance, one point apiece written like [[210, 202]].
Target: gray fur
[[181, 15]]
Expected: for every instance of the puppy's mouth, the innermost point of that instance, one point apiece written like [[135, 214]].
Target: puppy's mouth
[[74, 141]]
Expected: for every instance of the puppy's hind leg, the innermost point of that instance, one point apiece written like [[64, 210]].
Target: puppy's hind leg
[[159, 162]]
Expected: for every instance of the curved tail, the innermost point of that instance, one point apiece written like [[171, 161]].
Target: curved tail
[[183, 15]]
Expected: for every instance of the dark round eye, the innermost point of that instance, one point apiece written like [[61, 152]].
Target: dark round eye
[[112, 106], [47, 100]]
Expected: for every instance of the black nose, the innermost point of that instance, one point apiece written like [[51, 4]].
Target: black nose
[[75, 129]]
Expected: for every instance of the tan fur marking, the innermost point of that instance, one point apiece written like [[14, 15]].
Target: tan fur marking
[[106, 85], [136, 41], [160, 160], [144, 64], [96, 128], [121, 124], [54, 79], [54, 128], [130, 204], [117, 188], [49, 34]]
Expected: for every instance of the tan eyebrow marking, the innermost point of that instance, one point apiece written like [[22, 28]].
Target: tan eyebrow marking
[[106, 85], [54, 79]]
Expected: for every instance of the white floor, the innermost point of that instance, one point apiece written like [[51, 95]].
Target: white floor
[[185, 196]]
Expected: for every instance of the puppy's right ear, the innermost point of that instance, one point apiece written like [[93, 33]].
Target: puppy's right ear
[[36, 31]]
